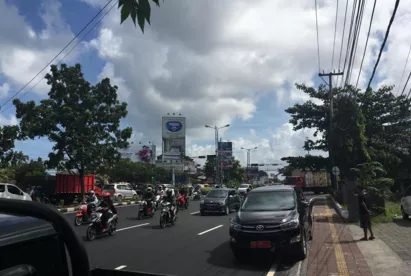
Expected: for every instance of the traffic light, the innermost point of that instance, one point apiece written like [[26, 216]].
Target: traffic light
[[152, 177]]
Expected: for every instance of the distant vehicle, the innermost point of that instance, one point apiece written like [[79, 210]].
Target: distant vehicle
[[308, 181], [11, 191], [220, 200], [406, 204], [243, 188], [271, 218], [275, 183], [120, 190]]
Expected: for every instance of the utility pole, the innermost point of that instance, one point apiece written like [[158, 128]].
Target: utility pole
[[216, 129], [331, 116]]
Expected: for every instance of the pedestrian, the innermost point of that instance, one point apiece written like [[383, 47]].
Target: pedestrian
[[365, 214]]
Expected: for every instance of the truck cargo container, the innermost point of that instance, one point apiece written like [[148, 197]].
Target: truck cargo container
[[311, 181]]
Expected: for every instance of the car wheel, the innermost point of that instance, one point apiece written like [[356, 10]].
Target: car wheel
[[241, 256], [119, 198], [227, 210], [302, 247], [404, 214], [135, 197], [202, 213]]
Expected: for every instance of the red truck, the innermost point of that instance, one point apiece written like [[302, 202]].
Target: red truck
[[317, 182], [67, 186]]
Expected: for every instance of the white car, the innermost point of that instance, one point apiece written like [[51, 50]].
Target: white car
[[406, 204], [120, 191], [13, 192], [243, 188]]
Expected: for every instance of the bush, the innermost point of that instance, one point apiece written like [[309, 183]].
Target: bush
[[205, 190], [392, 210]]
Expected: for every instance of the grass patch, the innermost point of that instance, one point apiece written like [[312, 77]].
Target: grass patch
[[392, 209]]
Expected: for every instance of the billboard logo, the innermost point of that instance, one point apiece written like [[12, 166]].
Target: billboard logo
[[174, 126]]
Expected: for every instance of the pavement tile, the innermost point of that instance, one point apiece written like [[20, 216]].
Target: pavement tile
[[333, 250]]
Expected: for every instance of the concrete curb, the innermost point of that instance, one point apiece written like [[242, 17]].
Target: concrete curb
[[339, 209], [72, 209]]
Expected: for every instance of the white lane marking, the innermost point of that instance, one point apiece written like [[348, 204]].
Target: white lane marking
[[194, 213], [130, 227], [214, 228], [273, 268], [120, 267], [299, 269]]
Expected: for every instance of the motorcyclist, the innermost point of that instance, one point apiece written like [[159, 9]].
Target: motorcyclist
[[107, 205], [170, 198], [91, 201], [149, 198]]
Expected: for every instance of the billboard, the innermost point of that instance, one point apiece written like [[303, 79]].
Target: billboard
[[174, 138], [225, 154], [146, 154]]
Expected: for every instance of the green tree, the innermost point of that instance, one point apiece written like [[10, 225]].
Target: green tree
[[82, 120], [30, 174], [236, 173], [8, 135], [209, 168], [138, 10]]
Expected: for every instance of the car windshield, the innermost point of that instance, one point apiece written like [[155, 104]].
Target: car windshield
[[291, 180], [243, 186], [269, 201], [217, 194]]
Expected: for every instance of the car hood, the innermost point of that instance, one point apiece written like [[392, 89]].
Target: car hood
[[213, 200], [264, 217]]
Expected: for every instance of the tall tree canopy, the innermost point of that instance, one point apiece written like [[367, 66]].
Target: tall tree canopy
[[8, 135], [82, 120], [138, 10]]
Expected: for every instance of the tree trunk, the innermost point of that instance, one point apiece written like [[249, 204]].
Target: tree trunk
[[81, 174]]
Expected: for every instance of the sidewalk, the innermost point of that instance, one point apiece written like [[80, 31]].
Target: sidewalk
[[333, 250]]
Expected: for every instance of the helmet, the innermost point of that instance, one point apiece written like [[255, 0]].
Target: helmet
[[106, 195], [163, 186], [149, 189], [91, 192], [169, 193]]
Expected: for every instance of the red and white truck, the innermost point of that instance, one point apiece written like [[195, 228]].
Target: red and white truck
[[310, 181]]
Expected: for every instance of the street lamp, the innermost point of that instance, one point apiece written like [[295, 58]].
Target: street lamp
[[248, 155], [216, 128]]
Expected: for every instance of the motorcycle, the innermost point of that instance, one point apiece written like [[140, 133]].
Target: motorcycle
[[96, 226], [196, 195], [82, 216], [182, 202], [165, 216], [150, 211]]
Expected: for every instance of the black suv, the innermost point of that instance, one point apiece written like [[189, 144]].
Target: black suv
[[220, 200], [271, 218]]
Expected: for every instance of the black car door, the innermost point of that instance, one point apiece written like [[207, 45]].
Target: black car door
[[303, 208]]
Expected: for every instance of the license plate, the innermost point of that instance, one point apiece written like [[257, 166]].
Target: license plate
[[261, 244]]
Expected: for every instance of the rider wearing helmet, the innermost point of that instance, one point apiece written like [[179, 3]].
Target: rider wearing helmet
[[107, 204], [149, 198], [170, 197], [91, 201]]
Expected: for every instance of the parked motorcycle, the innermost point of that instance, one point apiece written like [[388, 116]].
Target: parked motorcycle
[[165, 216], [82, 217], [150, 211], [96, 226], [196, 195]]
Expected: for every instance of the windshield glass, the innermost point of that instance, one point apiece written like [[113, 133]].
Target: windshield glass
[[217, 194], [243, 186], [291, 180], [269, 201]]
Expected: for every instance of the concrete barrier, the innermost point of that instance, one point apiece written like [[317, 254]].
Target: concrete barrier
[[72, 209]]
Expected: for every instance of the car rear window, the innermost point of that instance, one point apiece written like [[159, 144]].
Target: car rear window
[[244, 186], [217, 194], [2, 188], [269, 201], [109, 187]]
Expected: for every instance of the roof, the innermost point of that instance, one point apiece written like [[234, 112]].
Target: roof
[[15, 229], [272, 188]]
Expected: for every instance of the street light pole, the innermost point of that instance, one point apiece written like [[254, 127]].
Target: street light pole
[[217, 164], [249, 155]]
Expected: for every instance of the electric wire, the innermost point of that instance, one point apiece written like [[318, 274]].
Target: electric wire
[[335, 35], [366, 44], [354, 40], [69, 52], [342, 39], [403, 71], [64, 48], [387, 33], [318, 38], [349, 38]]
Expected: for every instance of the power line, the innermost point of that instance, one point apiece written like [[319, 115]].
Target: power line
[[342, 39], [335, 34], [48, 64], [403, 71], [358, 31], [318, 39], [397, 2], [366, 43], [349, 37]]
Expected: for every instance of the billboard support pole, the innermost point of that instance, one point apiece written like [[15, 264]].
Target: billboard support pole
[[173, 177]]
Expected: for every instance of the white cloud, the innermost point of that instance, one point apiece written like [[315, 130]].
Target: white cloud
[[4, 90], [8, 121], [252, 132]]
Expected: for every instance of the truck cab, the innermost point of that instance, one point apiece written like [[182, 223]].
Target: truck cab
[[297, 181]]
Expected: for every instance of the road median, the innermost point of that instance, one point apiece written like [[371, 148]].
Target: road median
[[72, 209]]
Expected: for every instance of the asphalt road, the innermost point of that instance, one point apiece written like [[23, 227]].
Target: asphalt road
[[196, 245]]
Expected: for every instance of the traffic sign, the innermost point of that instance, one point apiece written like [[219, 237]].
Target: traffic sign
[[336, 171]]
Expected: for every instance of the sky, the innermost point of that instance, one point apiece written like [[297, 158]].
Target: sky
[[215, 62]]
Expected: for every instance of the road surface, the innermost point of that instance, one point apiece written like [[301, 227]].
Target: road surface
[[196, 245]]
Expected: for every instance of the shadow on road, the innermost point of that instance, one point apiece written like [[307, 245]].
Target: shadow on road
[[222, 256], [402, 222]]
